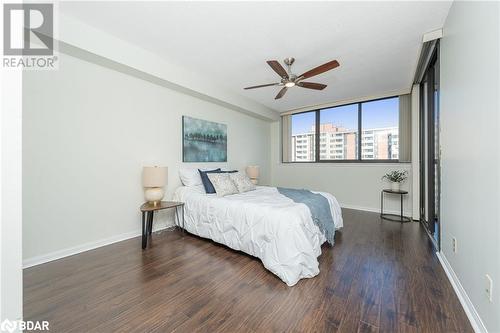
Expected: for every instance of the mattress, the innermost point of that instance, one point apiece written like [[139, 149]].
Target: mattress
[[262, 223]]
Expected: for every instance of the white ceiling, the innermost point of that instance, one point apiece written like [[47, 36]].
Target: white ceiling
[[376, 43]]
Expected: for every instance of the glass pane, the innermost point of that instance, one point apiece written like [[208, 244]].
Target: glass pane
[[380, 130], [339, 133], [425, 150], [303, 137]]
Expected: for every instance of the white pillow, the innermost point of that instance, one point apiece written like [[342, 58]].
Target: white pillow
[[190, 176], [222, 183], [242, 182]]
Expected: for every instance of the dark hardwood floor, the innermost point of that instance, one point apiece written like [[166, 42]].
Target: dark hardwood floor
[[379, 277]]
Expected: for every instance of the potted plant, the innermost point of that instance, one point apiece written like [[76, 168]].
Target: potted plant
[[396, 177]]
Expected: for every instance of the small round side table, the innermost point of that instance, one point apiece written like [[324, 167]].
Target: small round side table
[[393, 217]]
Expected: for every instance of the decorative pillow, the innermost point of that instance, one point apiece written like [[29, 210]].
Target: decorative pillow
[[229, 171], [190, 176], [242, 182], [222, 183], [209, 188]]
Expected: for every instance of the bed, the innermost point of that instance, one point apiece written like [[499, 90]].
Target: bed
[[262, 223]]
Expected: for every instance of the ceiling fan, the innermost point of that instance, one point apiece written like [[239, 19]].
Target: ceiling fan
[[288, 79]]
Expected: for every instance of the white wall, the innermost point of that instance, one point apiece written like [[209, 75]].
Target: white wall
[[11, 288], [470, 137], [87, 132], [355, 185]]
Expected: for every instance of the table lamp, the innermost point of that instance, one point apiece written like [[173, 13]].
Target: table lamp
[[154, 178], [253, 173]]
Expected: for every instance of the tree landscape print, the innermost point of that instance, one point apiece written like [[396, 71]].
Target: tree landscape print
[[203, 141]]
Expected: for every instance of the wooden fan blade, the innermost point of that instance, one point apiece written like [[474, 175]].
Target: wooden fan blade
[[262, 85], [312, 85], [276, 66], [320, 69], [281, 93]]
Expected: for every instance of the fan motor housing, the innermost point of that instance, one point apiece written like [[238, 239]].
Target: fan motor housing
[[289, 61]]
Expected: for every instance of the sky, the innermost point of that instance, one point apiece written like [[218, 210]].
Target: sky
[[376, 114]]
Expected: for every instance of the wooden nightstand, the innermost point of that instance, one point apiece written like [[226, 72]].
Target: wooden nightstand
[[149, 209]]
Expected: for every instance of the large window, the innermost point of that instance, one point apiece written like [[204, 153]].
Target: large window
[[366, 131]]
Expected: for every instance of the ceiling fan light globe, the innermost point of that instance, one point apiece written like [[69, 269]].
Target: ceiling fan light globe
[[289, 84]]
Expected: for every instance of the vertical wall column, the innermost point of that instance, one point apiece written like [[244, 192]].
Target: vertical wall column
[[11, 282]]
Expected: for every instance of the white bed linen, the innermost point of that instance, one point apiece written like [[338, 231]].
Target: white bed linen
[[262, 223]]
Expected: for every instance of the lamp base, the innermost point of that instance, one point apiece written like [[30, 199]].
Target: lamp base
[[254, 181], [154, 195]]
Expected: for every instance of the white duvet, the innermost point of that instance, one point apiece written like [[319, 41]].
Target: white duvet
[[262, 223]]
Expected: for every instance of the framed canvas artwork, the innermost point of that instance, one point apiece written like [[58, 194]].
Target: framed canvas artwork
[[203, 141]]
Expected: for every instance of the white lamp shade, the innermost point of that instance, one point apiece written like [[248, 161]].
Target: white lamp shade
[[253, 171], [154, 176]]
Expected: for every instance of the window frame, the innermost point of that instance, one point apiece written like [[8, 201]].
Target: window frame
[[359, 138]]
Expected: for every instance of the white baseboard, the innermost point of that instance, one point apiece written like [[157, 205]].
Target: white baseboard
[[375, 210], [470, 310], [42, 259]]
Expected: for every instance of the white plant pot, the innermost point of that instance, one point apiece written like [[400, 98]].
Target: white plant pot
[[395, 186]]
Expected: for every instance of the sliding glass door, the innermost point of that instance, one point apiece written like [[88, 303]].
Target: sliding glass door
[[430, 149]]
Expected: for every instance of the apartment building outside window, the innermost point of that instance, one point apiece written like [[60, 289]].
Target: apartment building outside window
[[365, 131]]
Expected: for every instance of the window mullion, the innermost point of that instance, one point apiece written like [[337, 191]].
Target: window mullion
[[360, 133], [317, 134]]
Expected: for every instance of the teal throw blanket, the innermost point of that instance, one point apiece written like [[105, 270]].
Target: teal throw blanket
[[319, 207]]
